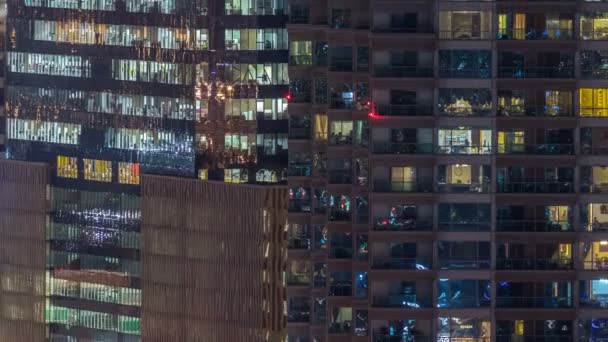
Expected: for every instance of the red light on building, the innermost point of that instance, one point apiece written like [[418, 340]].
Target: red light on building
[[288, 97]]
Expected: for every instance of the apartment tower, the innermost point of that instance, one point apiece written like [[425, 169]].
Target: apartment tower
[[448, 171]]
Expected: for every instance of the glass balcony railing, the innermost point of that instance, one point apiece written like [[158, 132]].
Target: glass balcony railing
[[454, 110], [534, 111], [394, 263], [298, 279], [534, 302], [298, 243], [464, 264], [299, 206], [535, 187], [464, 188], [299, 169], [593, 111], [465, 34], [401, 301], [463, 303], [340, 177], [394, 186], [533, 338], [339, 328], [597, 34], [533, 226], [299, 133], [394, 224], [544, 149], [403, 71], [464, 226], [598, 73], [459, 149], [300, 97], [535, 34], [298, 316], [534, 264], [402, 148], [404, 110], [597, 227], [466, 73], [341, 290], [300, 60], [596, 265], [535, 72], [341, 64], [587, 149], [386, 337]]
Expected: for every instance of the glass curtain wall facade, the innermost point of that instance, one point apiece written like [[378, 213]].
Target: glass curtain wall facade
[[105, 91], [447, 171]]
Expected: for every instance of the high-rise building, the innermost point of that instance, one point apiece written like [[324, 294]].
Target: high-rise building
[[100, 92], [448, 171]]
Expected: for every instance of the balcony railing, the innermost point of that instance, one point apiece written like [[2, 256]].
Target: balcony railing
[[404, 110], [397, 29], [403, 71], [336, 64], [463, 303], [338, 252], [451, 110], [466, 73], [300, 97], [394, 263], [534, 302], [593, 112], [464, 226], [386, 337], [543, 149], [298, 243], [597, 34], [596, 265], [464, 264], [533, 338], [464, 188], [535, 34], [594, 188], [298, 279], [339, 328], [465, 34], [459, 149], [593, 150], [597, 227], [299, 133], [394, 186], [299, 206], [298, 315], [402, 148], [387, 224], [534, 264], [300, 60], [533, 226], [340, 177], [535, 187], [534, 111], [535, 72], [341, 290], [401, 301], [594, 303], [595, 73]]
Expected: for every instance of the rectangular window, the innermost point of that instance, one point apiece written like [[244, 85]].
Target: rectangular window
[[128, 173], [43, 131], [593, 102], [235, 176], [156, 72], [67, 167], [97, 170], [46, 64], [321, 127]]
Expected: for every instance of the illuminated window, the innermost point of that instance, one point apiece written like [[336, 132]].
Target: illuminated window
[[203, 174], [150, 71], [593, 102], [341, 133], [128, 173], [98, 170], [46, 64], [235, 176], [43, 131], [67, 167], [320, 129]]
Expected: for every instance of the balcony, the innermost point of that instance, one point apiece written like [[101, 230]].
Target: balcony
[[404, 110], [465, 73], [403, 71], [299, 206], [402, 148], [464, 264], [401, 301], [341, 64], [298, 279], [301, 60], [534, 264], [466, 150], [464, 226], [401, 29], [597, 73], [534, 111], [394, 186], [299, 133], [340, 177], [386, 337], [535, 34], [535, 72], [535, 187], [465, 34], [534, 302], [394, 224], [394, 263], [463, 303], [597, 34], [540, 149], [533, 226], [464, 188]]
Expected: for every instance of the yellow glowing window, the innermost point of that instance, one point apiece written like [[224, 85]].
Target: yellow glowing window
[[593, 102], [128, 173], [98, 170], [321, 127], [519, 327], [203, 174], [519, 26], [67, 167], [235, 176], [502, 24]]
